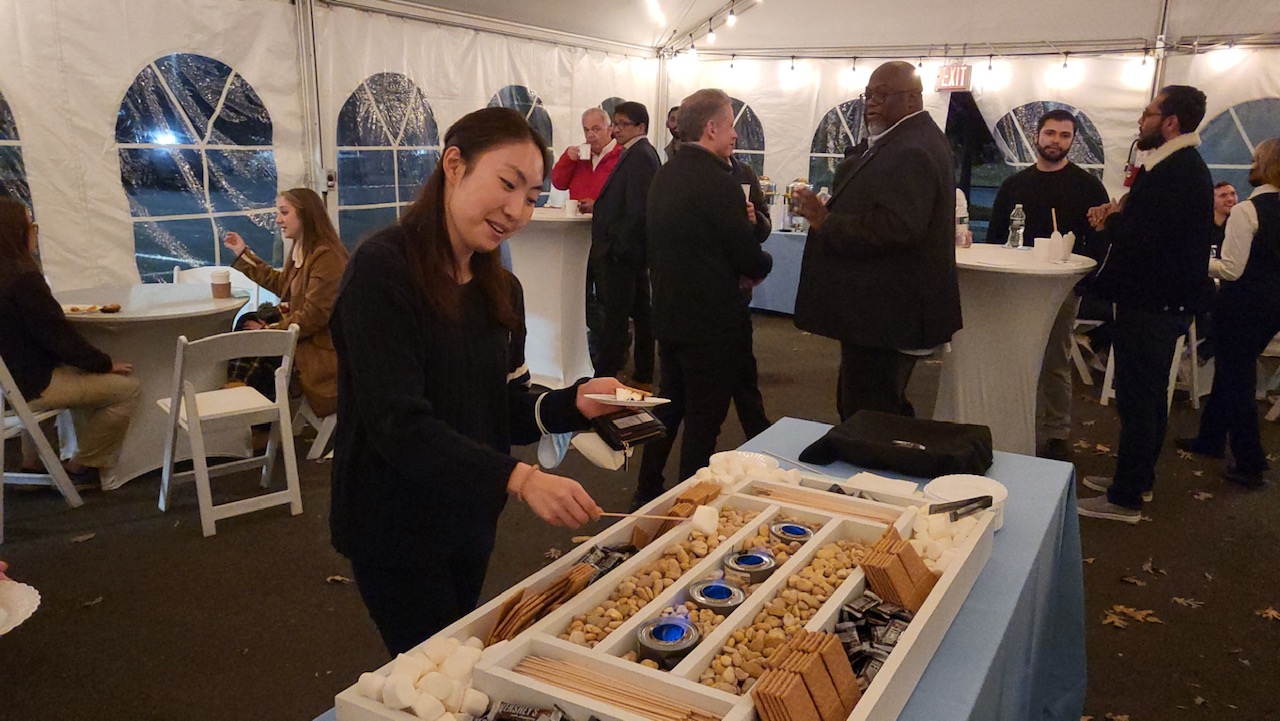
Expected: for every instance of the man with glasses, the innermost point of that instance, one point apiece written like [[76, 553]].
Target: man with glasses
[[1052, 183], [879, 270], [618, 248], [1154, 272]]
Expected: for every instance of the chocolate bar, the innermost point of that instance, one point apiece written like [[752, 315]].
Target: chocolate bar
[[505, 711]]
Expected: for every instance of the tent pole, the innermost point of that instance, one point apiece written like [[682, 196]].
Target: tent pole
[[664, 93], [311, 126], [1157, 78]]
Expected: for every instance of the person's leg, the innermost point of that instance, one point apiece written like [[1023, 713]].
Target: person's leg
[[1053, 392], [409, 604], [595, 312], [711, 371], [615, 285], [642, 315], [101, 404], [1143, 344], [747, 400], [654, 455], [1240, 342], [874, 379]]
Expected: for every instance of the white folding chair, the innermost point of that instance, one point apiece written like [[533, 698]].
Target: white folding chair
[[21, 420], [219, 408], [324, 428], [1270, 382], [1080, 339], [1108, 381]]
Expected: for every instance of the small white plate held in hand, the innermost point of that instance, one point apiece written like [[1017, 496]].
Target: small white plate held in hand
[[17, 602], [610, 400]]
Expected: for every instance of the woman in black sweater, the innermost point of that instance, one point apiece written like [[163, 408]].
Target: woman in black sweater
[[433, 388], [52, 365]]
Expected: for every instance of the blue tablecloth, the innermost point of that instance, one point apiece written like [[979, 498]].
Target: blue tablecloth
[[1015, 651], [778, 292]]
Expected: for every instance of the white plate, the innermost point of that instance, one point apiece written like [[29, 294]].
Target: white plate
[[959, 486], [611, 400], [769, 461], [19, 601], [75, 308]]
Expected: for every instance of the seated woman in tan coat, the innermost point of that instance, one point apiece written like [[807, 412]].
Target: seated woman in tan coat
[[307, 287]]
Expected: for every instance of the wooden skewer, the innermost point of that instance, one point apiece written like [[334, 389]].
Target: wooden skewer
[[575, 678], [1054, 212], [644, 515], [830, 505]]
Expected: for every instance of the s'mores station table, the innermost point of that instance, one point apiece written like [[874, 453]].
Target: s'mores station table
[[786, 596]]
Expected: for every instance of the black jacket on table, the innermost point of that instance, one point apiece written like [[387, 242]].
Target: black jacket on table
[[35, 336], [428, 409], [700, 245], [881, 273], [1158, 256], [618, 216]]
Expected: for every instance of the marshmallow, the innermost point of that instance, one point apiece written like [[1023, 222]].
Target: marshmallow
[[474, 703], [920, 526], [458, 666], [454, 644], [454, 703], [427, 707], [399, 691], [938, 526], [946, 559], [475, 642], [436, 684], [963, 528], [706, 520], [437, 649], [410, 665], [470, 654], [448, 717], [370, 686]]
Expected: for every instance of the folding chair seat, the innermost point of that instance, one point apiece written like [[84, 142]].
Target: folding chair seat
[[201, 410], [23, 420], [324, 428], [1196, 385]]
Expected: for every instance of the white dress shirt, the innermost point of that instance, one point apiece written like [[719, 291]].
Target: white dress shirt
[[1242, 225]]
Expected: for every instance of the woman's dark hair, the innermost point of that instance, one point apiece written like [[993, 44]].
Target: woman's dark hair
[[15, 230], [317, 229], [430, 253]]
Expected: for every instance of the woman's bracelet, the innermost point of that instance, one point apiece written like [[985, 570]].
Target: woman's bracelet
[[518, 483]]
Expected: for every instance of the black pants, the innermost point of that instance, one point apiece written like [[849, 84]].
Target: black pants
[[747, 400], [1143, 343], [595, 312], [873, 379], [700, 380], [411, 603], [1245, 327], [623, 289]]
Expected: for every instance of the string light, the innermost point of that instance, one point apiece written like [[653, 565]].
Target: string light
[[731, 59], [693, 48], [989, 59], [920, 66], [1145, 53], [855, 64], [711, 33], [1065, 56], [793, 62], [732, 19]]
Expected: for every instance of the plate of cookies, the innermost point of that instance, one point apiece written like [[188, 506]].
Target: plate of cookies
[[627, 397]]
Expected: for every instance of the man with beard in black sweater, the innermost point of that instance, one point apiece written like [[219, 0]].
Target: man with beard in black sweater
[[1154, 271]]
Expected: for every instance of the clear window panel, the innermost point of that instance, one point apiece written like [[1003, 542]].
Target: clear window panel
[[147, 115], [8, 126], [243, 119], [355, 225], [259, 233], [197, 82], [1260, 119], [159, 181], [754, 160], [359, 123], [420, 126], [750, 130], [610, 104], [241, 179], [366, 177], [13, 175], [160, 245], [822, 172], [394, 95], [415, 166]]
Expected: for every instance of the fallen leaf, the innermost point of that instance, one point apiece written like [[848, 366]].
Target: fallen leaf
[[1197, 474], [1134, 580], [1083, 444], [94, 602], [1202, 495], [1246, 663], [1153, 619], [1090, 560], [1208, 576], [553, 553], [1088, 423], [1200, 701], [82, 537], [1101, 449], [1117, 717], [1149, 567], [1145, 517], [1187, 602], [1186, 455], [1269, 613], [581, 539], [337, 579], [1113, 620]]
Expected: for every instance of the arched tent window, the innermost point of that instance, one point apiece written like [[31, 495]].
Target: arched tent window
[[1016, 137], [610, 104], [750, 148], [13, 174], [840, 129], [196, 161], [527, 103], [388, 145], [1227, 141]]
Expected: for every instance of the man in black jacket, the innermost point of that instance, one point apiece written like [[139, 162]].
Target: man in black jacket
[[1155, 273], [701, 244], [879, 270], [617, 247]]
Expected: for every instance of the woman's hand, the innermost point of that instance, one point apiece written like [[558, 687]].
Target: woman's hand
[[234, 243], [122, 369], [555, 499], [590, 408], [3, 567]]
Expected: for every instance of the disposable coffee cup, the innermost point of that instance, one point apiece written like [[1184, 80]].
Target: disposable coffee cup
[[1043, 250], [220, 282], [746, 191], [584, 151], [571, 208]]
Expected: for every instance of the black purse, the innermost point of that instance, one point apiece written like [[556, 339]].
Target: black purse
[[912, 446]]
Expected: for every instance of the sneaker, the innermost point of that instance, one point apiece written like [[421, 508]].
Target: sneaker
[[1057, 449], [1191, 445], [1102, 483], [1100, 507], [1252, 481]]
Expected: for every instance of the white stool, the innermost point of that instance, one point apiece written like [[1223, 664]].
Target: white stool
[[324, 428]]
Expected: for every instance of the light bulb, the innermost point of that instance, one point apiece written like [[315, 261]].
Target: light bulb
[[732, 19], [1064, 61], [711, 36], [793, 62], [989, 59], [731, 59]]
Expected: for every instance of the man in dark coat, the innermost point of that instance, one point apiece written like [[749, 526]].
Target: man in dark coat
[[879, 270], [618, 248], [1154, 272], [701, 245]]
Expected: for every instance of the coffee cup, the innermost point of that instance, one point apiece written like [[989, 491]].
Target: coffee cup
[[746, 191], [1044, 250], [571, 208], [584, 151], [220, 282]]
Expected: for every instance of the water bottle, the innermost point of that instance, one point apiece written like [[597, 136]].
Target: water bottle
[[824, 195], [963, 239], [1017, 226]]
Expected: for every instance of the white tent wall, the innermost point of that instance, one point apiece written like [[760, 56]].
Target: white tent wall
[[65, 66], [460, 70], [1227, 81], [1189, 19]]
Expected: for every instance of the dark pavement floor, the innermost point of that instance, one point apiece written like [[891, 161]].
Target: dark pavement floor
[[147, 620]]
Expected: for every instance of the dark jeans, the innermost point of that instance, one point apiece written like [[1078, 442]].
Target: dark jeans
[[411, 603], [700, 380], [1245, 327], [595, 312], [747, 400], [624, 292], [1143, 343], [873, 379]]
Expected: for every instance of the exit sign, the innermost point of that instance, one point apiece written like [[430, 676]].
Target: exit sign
[[954, 77]]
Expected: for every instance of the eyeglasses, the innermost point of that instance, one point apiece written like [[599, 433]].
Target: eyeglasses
[[624, 124], [1150, 113], [880, 96], [35, 228]]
